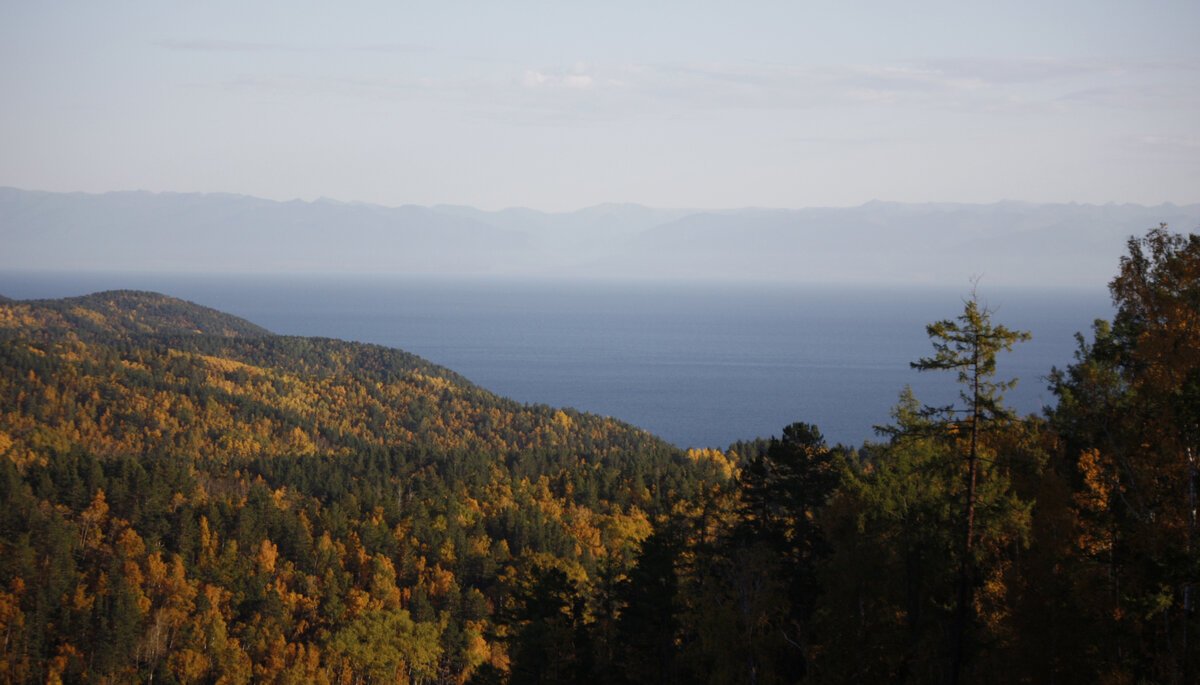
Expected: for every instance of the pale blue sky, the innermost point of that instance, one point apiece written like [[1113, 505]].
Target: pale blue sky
[[561, 105]]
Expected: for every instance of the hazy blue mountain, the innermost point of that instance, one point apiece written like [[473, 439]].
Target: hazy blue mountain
[[564, 242], [1005, 242], [194, 232]]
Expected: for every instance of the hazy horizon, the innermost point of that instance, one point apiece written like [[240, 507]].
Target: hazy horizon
[[819, 142], [559, 107], [605, 204], [878, 242]]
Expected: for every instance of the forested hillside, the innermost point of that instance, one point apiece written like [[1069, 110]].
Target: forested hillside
[[189, 498]]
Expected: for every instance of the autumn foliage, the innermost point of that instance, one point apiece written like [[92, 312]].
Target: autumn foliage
[[189, 498]]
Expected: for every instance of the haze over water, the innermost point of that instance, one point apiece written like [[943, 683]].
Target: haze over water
[[698, 364], [788, 121]]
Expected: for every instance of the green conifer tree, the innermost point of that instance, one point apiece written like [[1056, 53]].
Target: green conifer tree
[[968, 345]]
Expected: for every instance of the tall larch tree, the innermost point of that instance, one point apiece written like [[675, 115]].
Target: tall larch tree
[[968, 346]]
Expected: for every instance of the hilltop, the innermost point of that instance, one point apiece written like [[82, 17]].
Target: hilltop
[[120, 314]]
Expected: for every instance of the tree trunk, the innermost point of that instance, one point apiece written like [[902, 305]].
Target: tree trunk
[[1191, 540], [965, 565]]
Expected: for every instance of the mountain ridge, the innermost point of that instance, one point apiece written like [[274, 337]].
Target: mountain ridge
[[607, 205], [1063, 244]]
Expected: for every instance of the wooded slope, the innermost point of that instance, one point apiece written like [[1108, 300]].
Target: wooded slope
[[187, 497]]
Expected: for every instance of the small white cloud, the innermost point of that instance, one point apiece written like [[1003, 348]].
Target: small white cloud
[[870, 96], [533, 79], [578, 78]]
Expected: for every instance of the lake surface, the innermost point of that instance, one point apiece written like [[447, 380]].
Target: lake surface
[[698, 364]]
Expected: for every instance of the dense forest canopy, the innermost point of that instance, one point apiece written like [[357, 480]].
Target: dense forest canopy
[[187, 497]]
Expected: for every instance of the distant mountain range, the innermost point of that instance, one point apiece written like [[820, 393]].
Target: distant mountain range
[[1009, 243]]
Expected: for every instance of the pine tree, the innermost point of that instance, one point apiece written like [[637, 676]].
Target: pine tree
[[968, 345]]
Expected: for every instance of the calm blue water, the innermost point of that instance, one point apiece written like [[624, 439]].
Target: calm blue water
[[698, 364]]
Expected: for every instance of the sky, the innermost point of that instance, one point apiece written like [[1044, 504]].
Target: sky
[[562, 105]]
